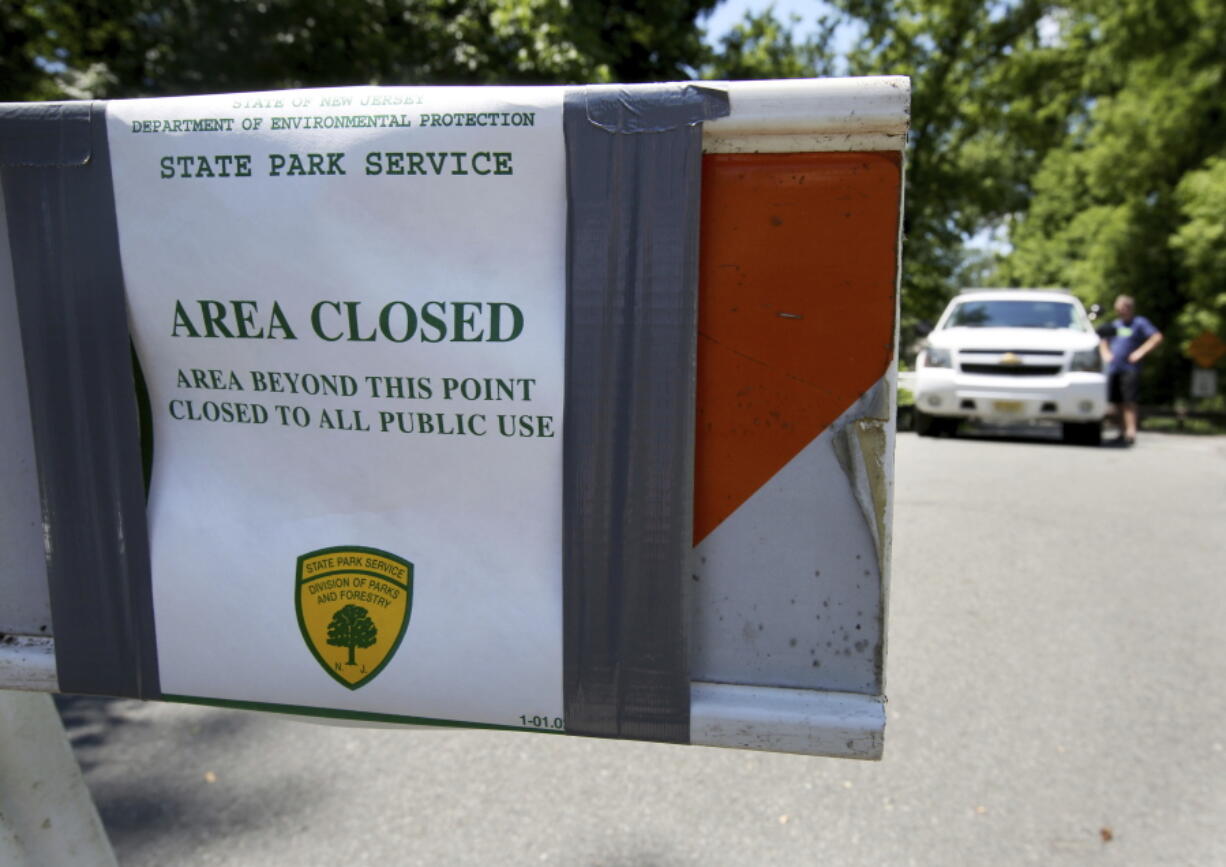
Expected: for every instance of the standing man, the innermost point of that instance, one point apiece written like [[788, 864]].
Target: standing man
[[1124, 343]]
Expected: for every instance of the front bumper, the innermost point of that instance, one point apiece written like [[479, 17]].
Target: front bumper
[[1065, 397]]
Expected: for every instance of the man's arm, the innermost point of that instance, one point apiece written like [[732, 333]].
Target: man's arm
[[1145, 348], [1105, 333]]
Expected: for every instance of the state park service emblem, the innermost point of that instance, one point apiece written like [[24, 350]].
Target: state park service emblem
[[353, 608]]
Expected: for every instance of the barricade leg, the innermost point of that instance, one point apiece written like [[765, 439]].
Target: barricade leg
[[47, 817]]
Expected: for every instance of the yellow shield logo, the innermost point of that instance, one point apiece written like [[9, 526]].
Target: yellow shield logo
[[353, 608]]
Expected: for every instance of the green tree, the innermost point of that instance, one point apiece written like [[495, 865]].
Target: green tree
[[762, 46], [1130, 199], [1089, 132], [27, 46], [352, 627], [120, 48], [1199, 243]]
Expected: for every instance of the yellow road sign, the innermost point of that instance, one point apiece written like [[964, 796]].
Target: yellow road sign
[[1206, 349]]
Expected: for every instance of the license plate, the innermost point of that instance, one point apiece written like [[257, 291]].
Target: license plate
[[1008, 406]]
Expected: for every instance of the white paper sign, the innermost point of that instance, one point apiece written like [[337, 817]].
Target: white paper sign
[[349, 310], [1204, 382]]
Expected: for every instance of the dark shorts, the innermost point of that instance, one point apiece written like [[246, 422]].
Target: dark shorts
[[1124, 386]]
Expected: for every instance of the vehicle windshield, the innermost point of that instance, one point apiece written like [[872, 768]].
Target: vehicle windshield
[[1015, 314]]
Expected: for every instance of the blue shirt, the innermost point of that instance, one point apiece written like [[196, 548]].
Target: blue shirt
[[1123, 339]]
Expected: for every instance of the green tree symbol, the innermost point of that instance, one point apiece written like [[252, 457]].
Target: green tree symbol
[[352, 627]]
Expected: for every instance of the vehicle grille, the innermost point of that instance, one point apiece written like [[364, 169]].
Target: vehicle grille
[[1012, 369]]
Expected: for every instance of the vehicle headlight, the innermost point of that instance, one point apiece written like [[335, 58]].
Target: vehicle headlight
[[934, 357], [1087, 359]]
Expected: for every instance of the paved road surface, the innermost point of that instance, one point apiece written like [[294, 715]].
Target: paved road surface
[[1056, 677]]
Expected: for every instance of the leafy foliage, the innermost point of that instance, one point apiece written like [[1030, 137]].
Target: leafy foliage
[[118, 48], [24, 39], [1199, 244], [1130, 200], [762, 46], [1091, 133]]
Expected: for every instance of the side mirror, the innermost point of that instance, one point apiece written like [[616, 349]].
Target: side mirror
[[923, 328]]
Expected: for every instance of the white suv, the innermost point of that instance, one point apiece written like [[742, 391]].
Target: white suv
[[1012, 355]]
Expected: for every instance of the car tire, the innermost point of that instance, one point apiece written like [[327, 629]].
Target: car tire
[[1088, 433], [933, 425]]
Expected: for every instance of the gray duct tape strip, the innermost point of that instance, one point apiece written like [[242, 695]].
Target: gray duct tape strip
[[45, 134], [634, 162], [651, 108], [70, 299]]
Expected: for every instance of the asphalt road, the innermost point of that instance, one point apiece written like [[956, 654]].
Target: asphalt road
[[1056, 672]]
